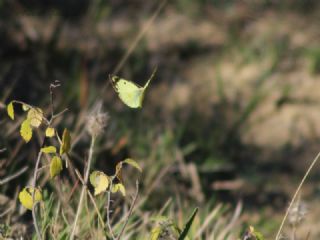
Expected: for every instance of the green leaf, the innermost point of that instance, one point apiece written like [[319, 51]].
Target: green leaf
[[35, 115], [66, 142], [133, 163], [25, 197], [55, 166], [49, 149], [26, 130], [10, 110], [99, 181], [50, 132], [186, 229]]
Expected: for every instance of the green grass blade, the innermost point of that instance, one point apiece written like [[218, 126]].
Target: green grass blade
[[188, 225]]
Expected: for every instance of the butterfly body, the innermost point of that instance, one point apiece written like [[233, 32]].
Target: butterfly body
[[130, 93]]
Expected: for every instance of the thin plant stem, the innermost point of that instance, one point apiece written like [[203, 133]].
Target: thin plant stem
[[97, 209], [92, 200], [34, 217], [296, 194], [49, 122], [130, 211], [86, 176], [36, 170], [108, 209]]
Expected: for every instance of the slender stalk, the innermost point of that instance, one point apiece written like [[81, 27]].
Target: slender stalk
[[130, 211], [34, 217], [108, 209], [34, 182], [296, 194], [92, 200], [49, 122], [86, 177]]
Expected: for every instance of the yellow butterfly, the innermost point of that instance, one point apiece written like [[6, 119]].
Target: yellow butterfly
[[129, 92]]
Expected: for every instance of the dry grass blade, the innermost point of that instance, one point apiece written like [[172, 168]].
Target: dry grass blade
[[235, 217], [296, 194], [130, 211], [208, 219], [13, 176]]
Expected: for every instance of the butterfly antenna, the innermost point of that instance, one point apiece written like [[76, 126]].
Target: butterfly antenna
[[151, 77]]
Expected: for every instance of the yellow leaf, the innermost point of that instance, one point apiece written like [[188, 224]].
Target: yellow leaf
[[49, 132], [25, 107], [49, 149], [10, 110], [133, 163], [99, 181], [66, 142], [25, 197], [35, 115], [155, 233], [55, 166], [26, 130], [118, 187]]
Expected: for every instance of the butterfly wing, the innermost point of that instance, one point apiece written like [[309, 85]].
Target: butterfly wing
[[130, 93]]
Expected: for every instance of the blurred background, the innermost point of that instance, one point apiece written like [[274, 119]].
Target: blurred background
[[230, 119]]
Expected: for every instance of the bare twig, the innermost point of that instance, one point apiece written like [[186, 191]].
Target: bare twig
[[13, 176], [130, 211], [59, 113], [86, 176]]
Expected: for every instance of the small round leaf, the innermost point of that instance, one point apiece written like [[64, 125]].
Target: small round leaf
[[50, 132], [99, 181], [25, 197], [55, 166], [26, 130]]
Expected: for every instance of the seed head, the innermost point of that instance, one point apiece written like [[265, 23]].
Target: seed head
[[97, 120], [297, 213]]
